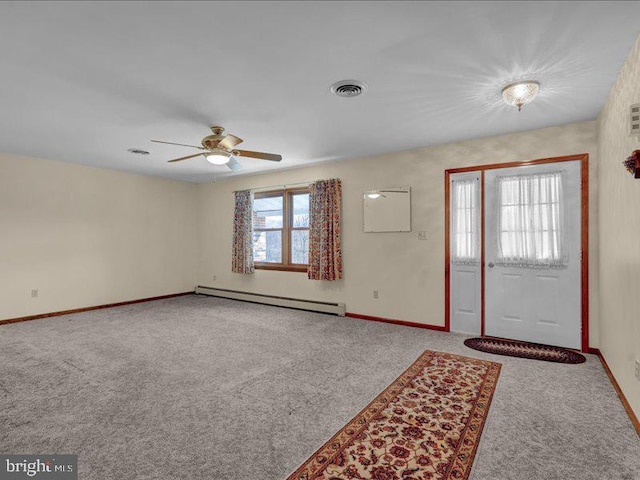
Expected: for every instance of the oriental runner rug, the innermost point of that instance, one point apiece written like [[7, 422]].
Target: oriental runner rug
[[426, 425]]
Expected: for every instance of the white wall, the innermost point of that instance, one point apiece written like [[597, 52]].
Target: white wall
[[408, 273], [620, 233], [85, 236]]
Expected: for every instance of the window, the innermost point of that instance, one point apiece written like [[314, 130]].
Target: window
[[466, 228], [530, 220], [281, 230]]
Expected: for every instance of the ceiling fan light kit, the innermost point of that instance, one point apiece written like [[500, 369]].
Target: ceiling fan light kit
[[519, 94], [219, 149], [218, 157]]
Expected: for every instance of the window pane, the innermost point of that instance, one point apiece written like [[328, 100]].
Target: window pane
[[267, 212], [300, 246], [301, 210], [267, 246]]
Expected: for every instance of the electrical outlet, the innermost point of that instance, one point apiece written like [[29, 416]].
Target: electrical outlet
[[422, 235], [34, 293], [638, 369], [375, 294]]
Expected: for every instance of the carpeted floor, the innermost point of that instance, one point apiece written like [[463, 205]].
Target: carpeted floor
[[204, 388]]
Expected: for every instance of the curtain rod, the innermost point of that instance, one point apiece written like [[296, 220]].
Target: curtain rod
[[274, 186]]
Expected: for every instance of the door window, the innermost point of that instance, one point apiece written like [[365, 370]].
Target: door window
[[530, 221]]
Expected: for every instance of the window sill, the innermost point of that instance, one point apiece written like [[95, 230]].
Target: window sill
[[282, 268]]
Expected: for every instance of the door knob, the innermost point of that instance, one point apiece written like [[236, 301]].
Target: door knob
[[491, 264]]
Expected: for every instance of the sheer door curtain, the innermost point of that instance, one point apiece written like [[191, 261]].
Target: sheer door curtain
[[531, 221], [465, 248]]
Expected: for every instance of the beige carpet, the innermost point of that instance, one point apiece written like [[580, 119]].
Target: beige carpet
[[203, 388]]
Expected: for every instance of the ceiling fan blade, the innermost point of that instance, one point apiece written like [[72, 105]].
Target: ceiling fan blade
[[230, 141], [180, 144], [233, 164], [184, 158], [262, 156]]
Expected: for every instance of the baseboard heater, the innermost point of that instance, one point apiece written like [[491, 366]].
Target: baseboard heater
[[311, 305]]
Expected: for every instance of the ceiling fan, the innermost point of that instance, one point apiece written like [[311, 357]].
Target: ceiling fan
[[218, 149]]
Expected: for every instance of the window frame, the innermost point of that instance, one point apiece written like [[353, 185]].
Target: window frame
[[286, 231]]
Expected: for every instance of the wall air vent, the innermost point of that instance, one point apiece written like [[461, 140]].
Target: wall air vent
[[348, 88], [635, 119]]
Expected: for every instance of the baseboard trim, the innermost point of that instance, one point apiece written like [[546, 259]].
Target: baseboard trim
[[616, 387], [86, 309], [439, 328]]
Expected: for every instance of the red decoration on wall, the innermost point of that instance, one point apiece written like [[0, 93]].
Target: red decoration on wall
[[632, 164]]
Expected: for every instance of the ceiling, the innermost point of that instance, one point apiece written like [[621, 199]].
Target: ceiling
[[83, 82]]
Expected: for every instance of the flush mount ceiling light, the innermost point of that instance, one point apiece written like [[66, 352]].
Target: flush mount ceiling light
[[520, 93], [218, 157]]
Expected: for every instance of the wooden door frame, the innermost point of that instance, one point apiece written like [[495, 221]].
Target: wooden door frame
[[583, 158]]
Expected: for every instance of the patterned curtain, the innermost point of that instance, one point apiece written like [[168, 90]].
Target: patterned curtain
[[242, 261], [325, 252]]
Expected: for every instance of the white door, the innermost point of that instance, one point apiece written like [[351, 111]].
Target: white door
[[464, 252], [532, 253]]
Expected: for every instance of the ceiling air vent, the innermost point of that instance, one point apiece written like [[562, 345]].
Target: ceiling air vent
[[137, 151], [348, 88]]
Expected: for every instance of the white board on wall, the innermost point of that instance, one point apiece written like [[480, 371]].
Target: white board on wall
[[387, 210]]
